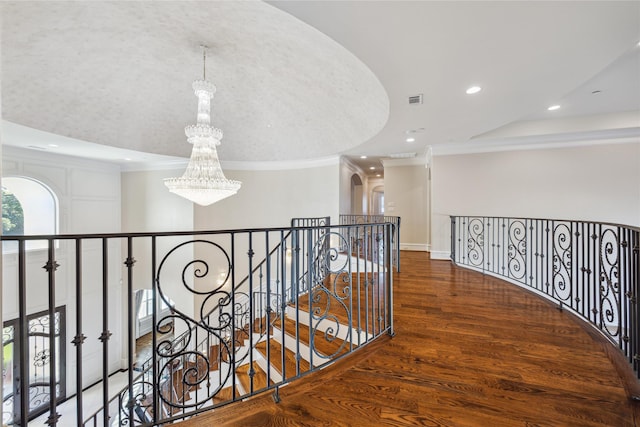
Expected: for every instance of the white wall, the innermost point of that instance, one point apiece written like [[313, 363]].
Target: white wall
[[148, 206], [270, 198], [267, 198], [406, 195], [597, 183], [88, 193]]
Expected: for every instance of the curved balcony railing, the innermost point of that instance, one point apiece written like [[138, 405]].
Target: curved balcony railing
[[261, 300], [378, 219], [251, 310], [591, 269]]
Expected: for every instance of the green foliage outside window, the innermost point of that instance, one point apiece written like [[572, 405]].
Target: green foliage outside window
[[12, 214]]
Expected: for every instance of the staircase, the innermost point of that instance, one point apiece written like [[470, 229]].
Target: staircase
[[278, 347], [268, 329]]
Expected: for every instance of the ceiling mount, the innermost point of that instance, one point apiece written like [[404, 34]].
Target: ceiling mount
[[415, 99]]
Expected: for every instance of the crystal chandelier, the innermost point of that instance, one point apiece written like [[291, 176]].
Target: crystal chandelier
[[203, 182]]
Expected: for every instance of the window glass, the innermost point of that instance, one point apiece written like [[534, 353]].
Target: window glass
[[30, 208]]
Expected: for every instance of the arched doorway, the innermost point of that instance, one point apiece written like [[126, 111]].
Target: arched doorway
[[357, 199], [377, 200]]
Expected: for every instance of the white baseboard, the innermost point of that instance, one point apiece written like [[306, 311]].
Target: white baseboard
[[440, 255], [422, 247]]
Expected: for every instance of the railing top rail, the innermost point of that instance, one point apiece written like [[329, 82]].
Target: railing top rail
[[173, 233], [611, 224]]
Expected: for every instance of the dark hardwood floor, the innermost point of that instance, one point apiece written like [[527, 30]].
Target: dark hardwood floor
[[469, 350]]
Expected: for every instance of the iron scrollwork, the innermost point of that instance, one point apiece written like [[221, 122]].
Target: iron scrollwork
[[184, 366], [609, 281], [332, 285], [562, 245], [517, 250], [475, 242]]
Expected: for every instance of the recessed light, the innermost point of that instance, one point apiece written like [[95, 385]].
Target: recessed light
[[378, 175], [53, 145], [268, 125], [411, 139], [128, 159], [473, 89], [372, 168], [554, 108], [363, 157]]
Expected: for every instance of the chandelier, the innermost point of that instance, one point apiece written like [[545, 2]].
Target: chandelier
[[203, 182]]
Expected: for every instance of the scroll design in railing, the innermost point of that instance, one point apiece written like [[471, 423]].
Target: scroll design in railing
[[331, 289], [210, 363], [189, 368], [475, 242], [562, 266], [609, 280], [592, 269], [517, 250]]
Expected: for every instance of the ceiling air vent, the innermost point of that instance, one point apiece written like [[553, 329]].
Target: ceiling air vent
[[415, 99], [402, 155]]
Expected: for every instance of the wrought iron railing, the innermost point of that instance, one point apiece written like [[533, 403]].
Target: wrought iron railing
[[316, 296], [378, 219], [591, 269]]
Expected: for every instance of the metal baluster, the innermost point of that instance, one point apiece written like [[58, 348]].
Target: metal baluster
[[51, 268], [105, 335], [155, 383], [79, 338], [358, 290], [129, 262], [310, 275], [22, 340], [232, 350], [250, 255], [295, 288], [389, 284], [267, 311]]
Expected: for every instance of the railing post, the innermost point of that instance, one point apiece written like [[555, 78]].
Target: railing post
[[635, 304], [155, 384], [79, 338], [51, 268], [453, 239], [389, 280], [130, 261], [397, 244], [106, 334], [23, 339]]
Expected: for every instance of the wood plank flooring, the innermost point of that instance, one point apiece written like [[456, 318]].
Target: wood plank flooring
[[469, 350]]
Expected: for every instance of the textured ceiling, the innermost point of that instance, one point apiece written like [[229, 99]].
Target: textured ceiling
[[312, 79], [120, 73]]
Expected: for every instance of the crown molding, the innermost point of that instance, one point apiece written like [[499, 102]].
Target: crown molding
[[540, 142]]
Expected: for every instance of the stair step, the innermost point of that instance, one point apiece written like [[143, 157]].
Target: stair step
[[275, 358], [322, 346], [259, 377], [225, 395], [370, 299]]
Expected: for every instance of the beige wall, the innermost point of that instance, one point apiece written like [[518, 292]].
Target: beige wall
[[347, 170], [270, 198], [599, 183], [406, 195], [147, 205]]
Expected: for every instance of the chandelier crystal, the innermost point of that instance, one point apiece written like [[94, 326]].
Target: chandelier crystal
[[203, 182]]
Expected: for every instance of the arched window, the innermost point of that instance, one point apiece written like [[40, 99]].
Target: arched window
[[28, 207]]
